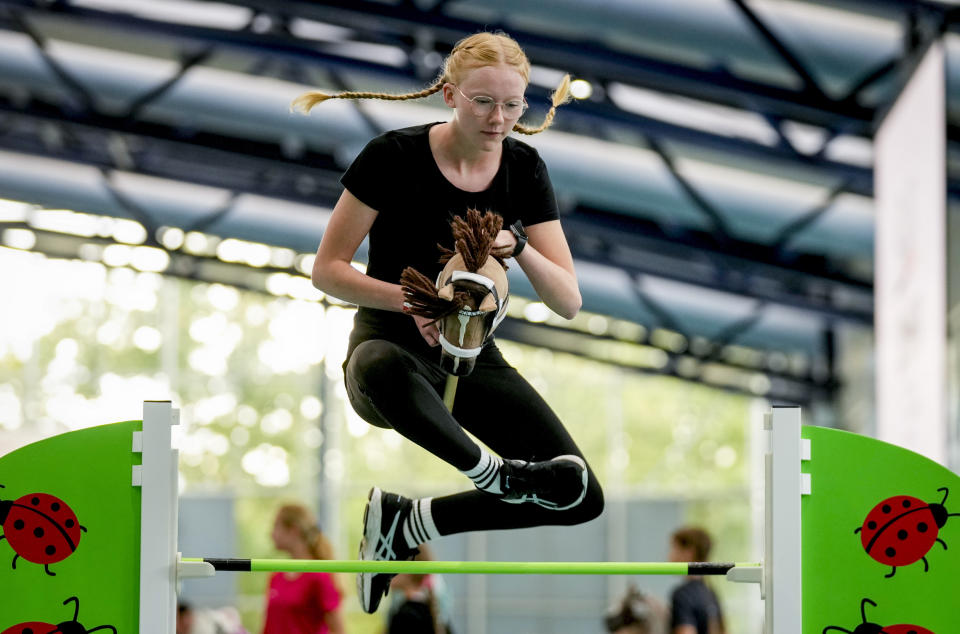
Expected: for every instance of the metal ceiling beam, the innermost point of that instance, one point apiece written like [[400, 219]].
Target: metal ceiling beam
[[585, 58], [585, 113], [160, 143], [577, 116], [263, 158], [782, 388], [810, 85], [749, 270], [799, 386], [887, 8], [396, 23], [169, 152], [595, 235]]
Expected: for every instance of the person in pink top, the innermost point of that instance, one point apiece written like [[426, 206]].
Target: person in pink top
[[302, 603]]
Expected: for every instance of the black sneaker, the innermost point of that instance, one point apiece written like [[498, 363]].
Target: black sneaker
[[557, 484], [382, 541]]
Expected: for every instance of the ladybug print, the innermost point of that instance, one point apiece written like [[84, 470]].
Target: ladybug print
[[33, 627], [41, 528], [902, 529], [872, 628], [67, 627]]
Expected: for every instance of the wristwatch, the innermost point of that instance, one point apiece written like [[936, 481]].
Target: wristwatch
[[517, 230]]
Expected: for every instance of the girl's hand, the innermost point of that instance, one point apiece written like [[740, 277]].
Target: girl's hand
[[504, 243], [430, 332]]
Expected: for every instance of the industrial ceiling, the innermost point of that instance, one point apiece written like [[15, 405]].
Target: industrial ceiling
[[717, 184]]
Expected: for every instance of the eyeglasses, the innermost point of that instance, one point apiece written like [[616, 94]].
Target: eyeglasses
[[482, 105]]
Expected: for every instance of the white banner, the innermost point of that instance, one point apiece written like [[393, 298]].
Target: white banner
[[910, 265]]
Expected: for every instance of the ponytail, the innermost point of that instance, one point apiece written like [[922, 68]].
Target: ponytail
[[320, 547], [300, 518]]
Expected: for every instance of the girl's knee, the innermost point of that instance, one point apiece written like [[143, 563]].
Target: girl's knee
[[367, 379], [374, 360]]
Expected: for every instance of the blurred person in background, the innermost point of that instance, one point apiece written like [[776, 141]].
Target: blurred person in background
[[307, 602], [694, 608], [185, 617], [420, 604], [224, 620], [636, 613]]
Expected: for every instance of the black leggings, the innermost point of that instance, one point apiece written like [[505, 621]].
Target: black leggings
[[391, 387]]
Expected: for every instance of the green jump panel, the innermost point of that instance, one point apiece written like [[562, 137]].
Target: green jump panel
[[874, 529], [51, 489]]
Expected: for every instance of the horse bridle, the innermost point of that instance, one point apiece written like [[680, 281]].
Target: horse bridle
[[497, 316]]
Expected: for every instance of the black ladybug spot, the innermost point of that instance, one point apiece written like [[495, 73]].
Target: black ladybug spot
[[35, 501], [922, 527], [890, 552], [27, 630], [872, 525], [69, 523], [50, 549], [55, 506], [38, 532], [906, 504], [901, 534], [886, 508], [18, 525]]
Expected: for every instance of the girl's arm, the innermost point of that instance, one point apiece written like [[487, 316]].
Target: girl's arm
[[549, 266], [332, 272]]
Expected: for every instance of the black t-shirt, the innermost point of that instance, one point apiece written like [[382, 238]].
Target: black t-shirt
[[396, 175], [693, 603]]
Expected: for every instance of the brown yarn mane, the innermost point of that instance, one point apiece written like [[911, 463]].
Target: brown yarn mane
[[473, 239]]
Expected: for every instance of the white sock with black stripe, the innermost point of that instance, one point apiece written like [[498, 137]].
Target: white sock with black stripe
[[419, 528], [486, 475]]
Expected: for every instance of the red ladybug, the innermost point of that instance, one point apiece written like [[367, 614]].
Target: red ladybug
[[873, 628], [41, 528], [902, 529], [33, 627], [67, 627]]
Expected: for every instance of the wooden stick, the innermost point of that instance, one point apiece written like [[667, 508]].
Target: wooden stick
[[450, 391]]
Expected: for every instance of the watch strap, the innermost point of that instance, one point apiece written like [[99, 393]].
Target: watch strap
[[517, 230]]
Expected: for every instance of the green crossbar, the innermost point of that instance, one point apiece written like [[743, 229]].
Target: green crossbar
[[475, 567]]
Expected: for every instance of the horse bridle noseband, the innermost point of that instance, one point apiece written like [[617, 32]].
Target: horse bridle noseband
[[501, 312]]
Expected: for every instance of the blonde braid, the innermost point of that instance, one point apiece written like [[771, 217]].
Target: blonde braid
[[480, 49], [305, 102], [559, 97]]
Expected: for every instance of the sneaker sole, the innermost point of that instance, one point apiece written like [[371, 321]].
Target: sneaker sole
[[372, 515]]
